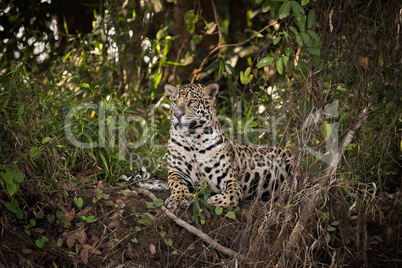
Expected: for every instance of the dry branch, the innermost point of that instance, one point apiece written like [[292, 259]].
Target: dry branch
[[193, 230], [296, 234]]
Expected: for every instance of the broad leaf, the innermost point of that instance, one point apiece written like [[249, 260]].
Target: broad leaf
[[279, 66], [310, 19], [284, 10], [265, 62]]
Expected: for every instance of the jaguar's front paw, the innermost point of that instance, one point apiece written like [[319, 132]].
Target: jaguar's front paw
[[177, 202], [222, 200]]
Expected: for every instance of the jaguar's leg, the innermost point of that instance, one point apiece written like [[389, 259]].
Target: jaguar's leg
[[230, 198], [179, 193]]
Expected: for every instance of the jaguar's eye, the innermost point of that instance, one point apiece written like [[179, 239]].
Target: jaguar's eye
[[190, 102]]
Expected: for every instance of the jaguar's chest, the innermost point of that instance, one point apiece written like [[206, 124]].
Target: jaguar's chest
[[200, 157]]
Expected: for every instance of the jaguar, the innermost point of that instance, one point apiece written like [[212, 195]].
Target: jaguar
[[199, 152]]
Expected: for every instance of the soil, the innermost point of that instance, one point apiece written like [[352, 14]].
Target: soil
[[116, 236]]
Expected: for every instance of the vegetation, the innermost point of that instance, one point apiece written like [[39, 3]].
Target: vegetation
[[83, 107]]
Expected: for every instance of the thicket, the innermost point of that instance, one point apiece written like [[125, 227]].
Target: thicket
[[299, 74]]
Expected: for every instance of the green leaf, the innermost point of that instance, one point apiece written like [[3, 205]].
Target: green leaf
[[162, 233], [306, 39], [335, 223], [304, 2], [294, 30], [310, 19], [314, 50], [284, 10], [12, 206], [237, 208], [32, 222], [316, 37], [159, 35], [288, 51], [299, 40], [18, 176], [351, 147], [331, 229], [231, 215], [78, 201], [218, 210], [326, 129], [134, 240], [45, 140], [103, 160], [190, 18], [39, 243], [90, 219], [137, 229], [246, 77], [150, 205], [8, 176], [265, 62], [51, 218], [285, 60], [301, 23], [276, 40], [210, 27], [146, 219], [158, 202], [34, 151], [279, 65], [12, 189], [174, 252], [84, 85], [298, 11], [169, 242], [59, 242]]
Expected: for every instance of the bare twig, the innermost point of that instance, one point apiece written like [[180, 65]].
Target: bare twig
[[297, 231], [193, 230]]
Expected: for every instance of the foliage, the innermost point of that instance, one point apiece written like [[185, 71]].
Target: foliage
[[279, 64]]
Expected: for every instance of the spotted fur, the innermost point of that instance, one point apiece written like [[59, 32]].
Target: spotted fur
[[198, 152]]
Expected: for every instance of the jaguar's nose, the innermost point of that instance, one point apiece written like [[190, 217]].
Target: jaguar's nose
[[178, 115]]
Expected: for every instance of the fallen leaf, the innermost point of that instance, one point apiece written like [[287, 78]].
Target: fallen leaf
[[117, 215], [82, 177], [113, 223], [109, 203], [94, 240], [84, 255], [70, 215], [130, 251], [100, 184], [82, 237], [71, 240], [39, 230], [27, 251], [152, 249]]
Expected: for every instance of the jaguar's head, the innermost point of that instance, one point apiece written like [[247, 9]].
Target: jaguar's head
[[192, 106]]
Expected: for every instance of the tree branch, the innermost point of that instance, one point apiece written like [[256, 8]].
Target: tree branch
[[194, 230]]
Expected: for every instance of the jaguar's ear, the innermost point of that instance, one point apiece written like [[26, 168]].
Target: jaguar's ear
[[170, 90], [211, 90]]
